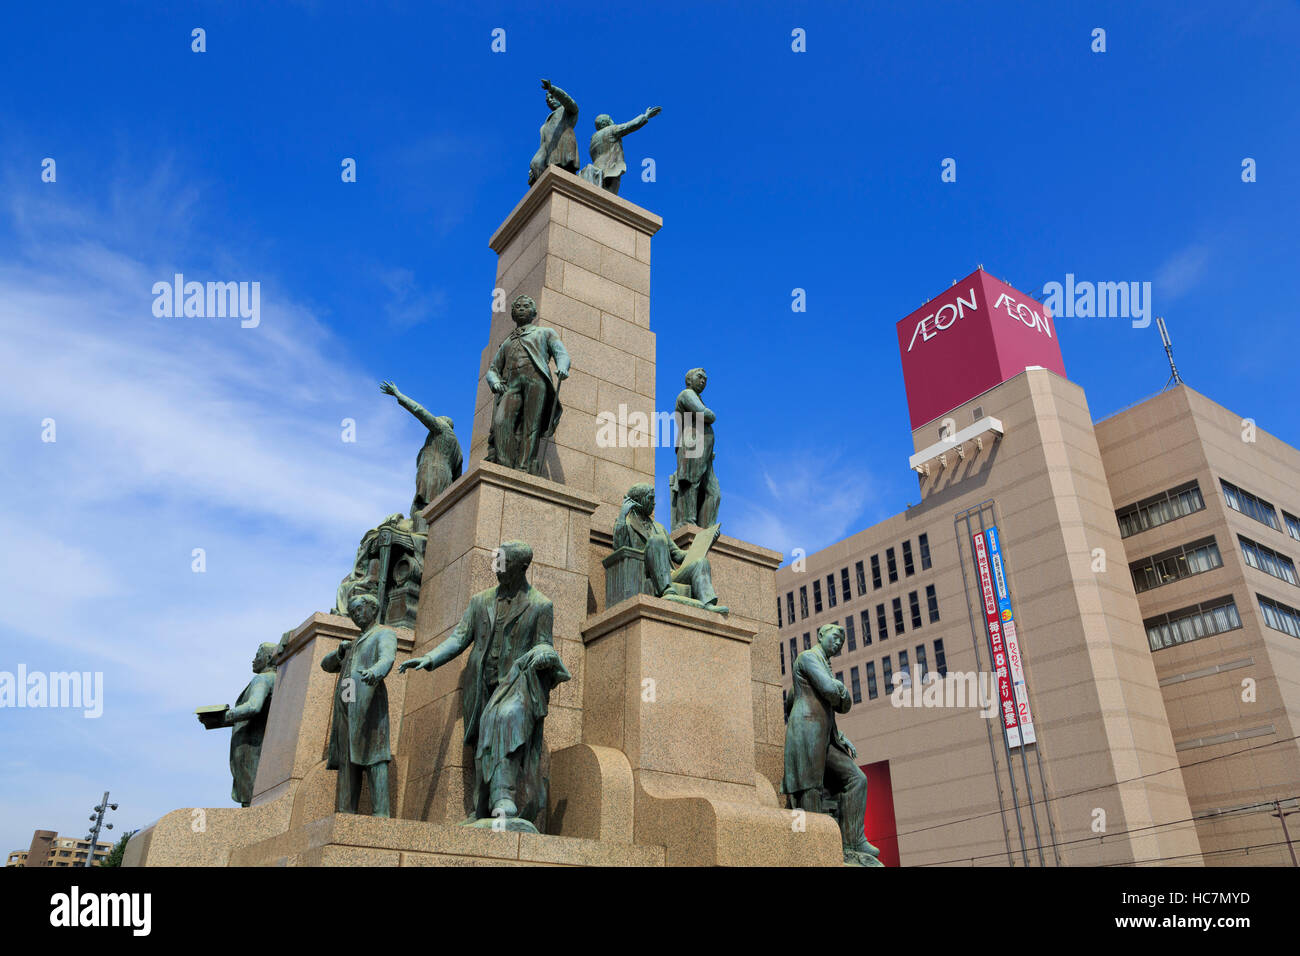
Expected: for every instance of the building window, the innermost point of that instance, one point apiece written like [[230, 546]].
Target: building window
[[803, 602], [855, 685], [1292, 525], [904, 672], [887, 672], [891, 563], [807, 640], [845, 593], [1159, 509], [932, 603], [862, 579], [882, 623], [1192, 623], [871, 680], [875, 571], [1267, 560], [898, 615], [914, 603], [940, 659], [1175, 564], [923, 542], [781, 647], [1249, 505], [866, 629], [830, 589], [817, 597], [794, 652], [1279, 616], [908, 567], [839, 676], [778, 613], [921, 662], [848, 633], [789, 607]]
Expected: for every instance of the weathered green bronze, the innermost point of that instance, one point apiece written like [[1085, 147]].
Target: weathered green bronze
[[670, 570], [607, 164], [506, 692], [389, 566], [439, 461], [527, 404], [817, 754], [694, 486], [559, 146], [248, 720], [359, 734]]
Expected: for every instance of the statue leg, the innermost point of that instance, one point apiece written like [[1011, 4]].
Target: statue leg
[[846, 778], [658, 565], [688, 494], [377, 774], [710, 498], [533, 406], [505, 421], [349, 788], [699, 575]]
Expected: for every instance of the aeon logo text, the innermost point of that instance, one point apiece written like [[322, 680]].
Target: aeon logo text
[[943, 318]]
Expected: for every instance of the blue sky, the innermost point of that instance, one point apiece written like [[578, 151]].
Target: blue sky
[[776, 170]]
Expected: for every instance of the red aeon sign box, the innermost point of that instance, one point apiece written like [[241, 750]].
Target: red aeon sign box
[[976, 335]]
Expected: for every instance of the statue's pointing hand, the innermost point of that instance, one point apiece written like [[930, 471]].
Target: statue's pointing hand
[[653, 111], [418, 663], [388, 388]]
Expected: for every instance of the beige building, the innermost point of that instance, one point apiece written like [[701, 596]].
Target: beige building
[[50, 849], [1154, 604]]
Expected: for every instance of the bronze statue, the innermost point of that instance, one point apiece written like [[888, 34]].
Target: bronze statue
[[607, 164], [694, 486], [817, 754], [666, 564], [439, 461], [248, 720], [527, 405], [389, 565], [359, 735], [559, 146], [506, 690]]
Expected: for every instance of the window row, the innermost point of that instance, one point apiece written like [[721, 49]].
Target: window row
[[1192, 623], [1175, 564], [852, 634], [831, 598], [1160, 509], [887, 671], [1267, 560]]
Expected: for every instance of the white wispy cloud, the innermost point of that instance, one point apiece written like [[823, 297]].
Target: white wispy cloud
[[1181, 271]]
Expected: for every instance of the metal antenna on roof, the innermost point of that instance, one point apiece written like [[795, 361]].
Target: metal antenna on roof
[[1174, 377]]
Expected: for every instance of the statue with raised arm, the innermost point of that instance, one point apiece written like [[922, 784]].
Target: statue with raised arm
[[359, 734], [607, 164], [506, 691], [817, 754], [559, 146], [694, 486], [439, 461], [248, 722], [665, 563], [527, 405]]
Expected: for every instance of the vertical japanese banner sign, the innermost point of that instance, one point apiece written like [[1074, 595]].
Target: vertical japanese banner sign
[[992, 619], [1010, 639]]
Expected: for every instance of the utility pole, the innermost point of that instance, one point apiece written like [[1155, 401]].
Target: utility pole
[[97, 818], [1282, 815]]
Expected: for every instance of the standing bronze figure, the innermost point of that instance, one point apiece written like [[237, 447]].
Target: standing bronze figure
[[817, 754], [359, 736], [527, 408], [439, 461], [507, 687], [694, 486], [248, 722], [559, 146], [607, 164]]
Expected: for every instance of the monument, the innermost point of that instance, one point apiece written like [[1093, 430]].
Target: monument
[[643, 730]]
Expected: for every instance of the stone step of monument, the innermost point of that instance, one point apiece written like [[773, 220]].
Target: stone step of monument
[[345, 839]]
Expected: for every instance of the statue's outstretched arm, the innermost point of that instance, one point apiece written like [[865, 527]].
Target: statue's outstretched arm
[[632, 125], [565, 100], [423, 415]]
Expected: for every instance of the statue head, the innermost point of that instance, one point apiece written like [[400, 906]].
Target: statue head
[[523, 310], [364, 610], [831, 638], [696, 379], [515, 557], [643, 494], [603, 120], [551, 102], [265, 657]]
